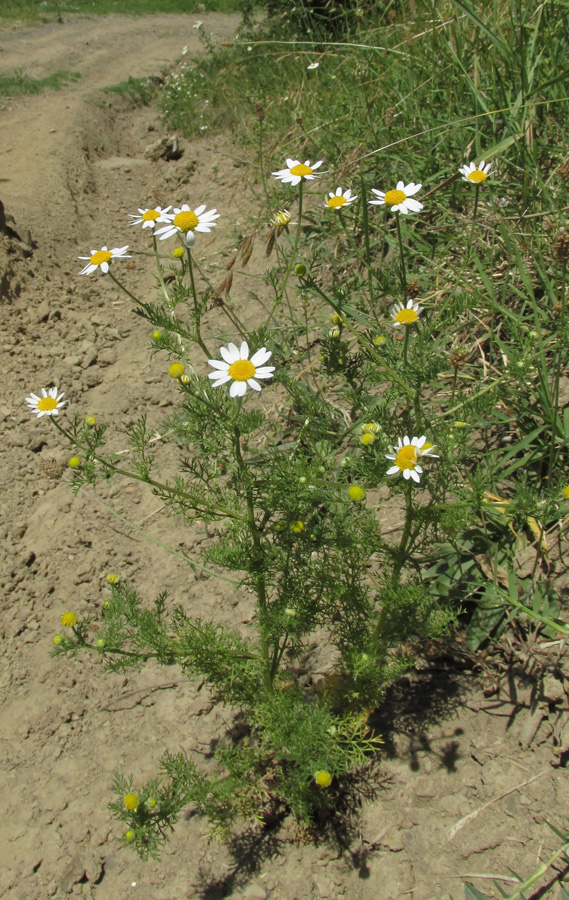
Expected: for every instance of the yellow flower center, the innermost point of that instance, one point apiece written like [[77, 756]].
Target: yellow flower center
[[406, 316], [186, 221], [406, 458], [241, 370], [323, 779], [47, 403], [301, 170], [336, 202], [100, 257], [477, 176], [150, 215], [392, 198]]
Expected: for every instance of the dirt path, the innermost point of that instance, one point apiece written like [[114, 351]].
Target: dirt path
[[72, 168]]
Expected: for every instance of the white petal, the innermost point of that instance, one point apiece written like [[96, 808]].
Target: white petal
[[261, 356], [199, 210], [104, 267], [253, 384], [413, 474], [394, 470], [217, 364], [264, 372], [238, 388], [229, 353], [414, 205], [412, 189], [244, 350]]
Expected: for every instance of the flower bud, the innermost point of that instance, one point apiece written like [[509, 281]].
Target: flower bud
[[323, 779], [176, 370]]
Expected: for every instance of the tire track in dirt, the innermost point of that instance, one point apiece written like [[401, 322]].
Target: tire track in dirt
[[41, 134]]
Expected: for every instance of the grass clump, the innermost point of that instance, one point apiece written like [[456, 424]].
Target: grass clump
[[140, 90], [19, 85]]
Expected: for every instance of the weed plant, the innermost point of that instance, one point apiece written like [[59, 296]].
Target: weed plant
[[18, 84], [406, 445]]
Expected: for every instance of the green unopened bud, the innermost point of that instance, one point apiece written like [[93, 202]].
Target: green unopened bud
[[300, 269]]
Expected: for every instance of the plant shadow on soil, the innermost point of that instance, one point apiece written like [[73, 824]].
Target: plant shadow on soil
[[421, 698]]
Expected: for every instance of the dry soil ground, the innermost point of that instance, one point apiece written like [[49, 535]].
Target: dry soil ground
[[469, 775]]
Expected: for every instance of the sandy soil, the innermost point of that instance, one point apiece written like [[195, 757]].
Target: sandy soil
[[469, 775]]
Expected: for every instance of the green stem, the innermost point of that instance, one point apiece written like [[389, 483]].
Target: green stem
[[292, 259], [557, 376], [366, 238], [260, 585], [160, 272], [197, 315], [405, 345], [400, 555], [402, 258], [363, 341], [401, 551], [476, 196], [263, 178], [173, 492], [362, 257], [123, 288]]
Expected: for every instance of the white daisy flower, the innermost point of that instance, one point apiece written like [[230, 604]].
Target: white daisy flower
[[282, 218], [297, 171], [149, 217], [406, 457], [100, 259], [406, 315], [186, 221], [313, 65], [475, 174], [48, 404], [240, 369], [400, 199], [340, 198]]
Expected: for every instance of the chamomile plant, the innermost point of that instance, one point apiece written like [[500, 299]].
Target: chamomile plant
[[395, 416]]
